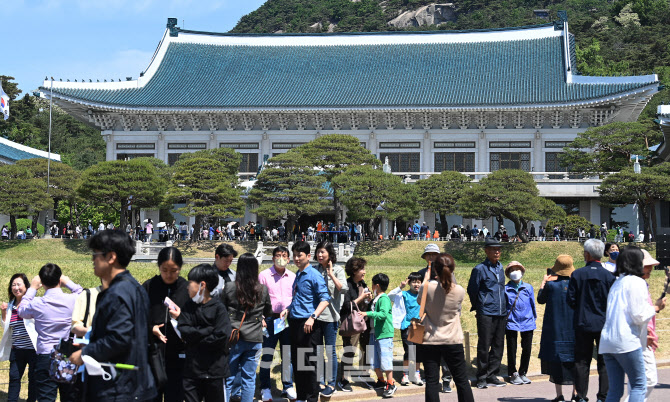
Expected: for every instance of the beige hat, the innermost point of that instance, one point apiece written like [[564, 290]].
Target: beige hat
[[648, 259], [430, 248], [512, 267], [563, 265]]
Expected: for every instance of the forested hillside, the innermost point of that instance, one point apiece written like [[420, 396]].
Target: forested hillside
[[622, 37]]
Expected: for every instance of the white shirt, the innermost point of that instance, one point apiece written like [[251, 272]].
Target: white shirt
[[610, 266], [628, 312]]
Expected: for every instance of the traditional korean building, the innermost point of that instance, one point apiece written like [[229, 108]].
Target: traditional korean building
[[471, 101], [11, 152]]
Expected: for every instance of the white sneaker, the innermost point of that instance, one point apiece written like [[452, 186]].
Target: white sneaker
[[405, 380], [417, 379], [289, 394], [266, 395]]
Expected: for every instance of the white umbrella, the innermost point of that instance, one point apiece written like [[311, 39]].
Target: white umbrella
[[161, 225]]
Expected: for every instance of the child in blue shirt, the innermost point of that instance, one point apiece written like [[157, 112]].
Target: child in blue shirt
[[405, 308]]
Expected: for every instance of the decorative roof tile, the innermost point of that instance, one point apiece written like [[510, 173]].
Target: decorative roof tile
[[11, 151], [198, 73]]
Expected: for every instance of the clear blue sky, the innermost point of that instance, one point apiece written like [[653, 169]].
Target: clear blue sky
[[98, 39]]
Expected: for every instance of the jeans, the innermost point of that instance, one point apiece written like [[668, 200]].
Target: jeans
[[270, 343], [454, 356], [330, 330], [491, 330], [526, 346], [583, 354], [243, 359], [650, 372], [630, 364], [303, 358], [18, 358]]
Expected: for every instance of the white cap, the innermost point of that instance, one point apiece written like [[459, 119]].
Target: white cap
[[430, 248]]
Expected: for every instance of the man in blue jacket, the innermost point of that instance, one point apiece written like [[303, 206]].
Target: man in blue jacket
[[486, 290], [120, 325], [587, 295]]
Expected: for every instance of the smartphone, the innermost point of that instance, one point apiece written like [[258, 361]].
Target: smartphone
[[170, 304], [550, 272]]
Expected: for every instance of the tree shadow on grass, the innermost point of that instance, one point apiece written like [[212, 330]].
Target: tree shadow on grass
[[473, 252], [79, 246], [378, 247]]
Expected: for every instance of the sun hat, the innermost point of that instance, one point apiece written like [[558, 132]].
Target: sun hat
[[514, 264], [430, 248], [563, 265], [648, 259]]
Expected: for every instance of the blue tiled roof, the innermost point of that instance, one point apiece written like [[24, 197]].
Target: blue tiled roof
[[513, 72], [10, 153]]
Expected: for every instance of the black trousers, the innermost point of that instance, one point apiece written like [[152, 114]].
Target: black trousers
[[18, 360], [173, 391], [204, 389], [584, 342], [48, 389], [303, 358], [431, 356], [526, 346], [491, 333]]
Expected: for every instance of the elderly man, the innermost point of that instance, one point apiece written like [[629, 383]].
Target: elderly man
[[587, 295], [486, 290]]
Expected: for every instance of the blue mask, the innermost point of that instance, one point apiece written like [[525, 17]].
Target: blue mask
[[614, 255]]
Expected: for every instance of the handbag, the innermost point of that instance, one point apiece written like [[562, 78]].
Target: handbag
[[157, 363], [61, 369], [354, 323], [235, 334], [416, 327]]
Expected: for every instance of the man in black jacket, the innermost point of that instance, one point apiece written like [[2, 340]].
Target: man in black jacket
[[587, 295], [120, 325]]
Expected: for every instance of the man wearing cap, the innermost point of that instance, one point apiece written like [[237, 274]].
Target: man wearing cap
[[587, 295], [430, 253], [486, 290]]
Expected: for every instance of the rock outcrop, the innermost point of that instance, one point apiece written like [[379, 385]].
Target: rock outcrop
[[432, 14]]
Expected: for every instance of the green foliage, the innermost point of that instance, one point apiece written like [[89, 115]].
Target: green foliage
[[440, 193], [82, 212], [643, 189], [371, 194], [609, 148], [78, 144], [118, 185], [510, 194], [207, 189], [288, 187], [572, 225], [22, 194], [228, 158], [63, 179], [24, 223]]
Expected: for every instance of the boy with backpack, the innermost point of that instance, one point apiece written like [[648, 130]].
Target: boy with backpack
[[405, 308]]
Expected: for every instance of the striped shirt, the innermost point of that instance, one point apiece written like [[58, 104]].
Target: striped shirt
[[20, 337]]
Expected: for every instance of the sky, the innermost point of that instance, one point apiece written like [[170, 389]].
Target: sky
[[98, 39]]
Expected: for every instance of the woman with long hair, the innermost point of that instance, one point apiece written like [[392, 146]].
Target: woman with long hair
[[166, 344], [19, 340], [330, 318], [443, 336], [624, 336], [247, 301]]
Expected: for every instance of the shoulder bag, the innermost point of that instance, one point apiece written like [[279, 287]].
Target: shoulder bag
[[235, 334], [354, 323], [416, 329]]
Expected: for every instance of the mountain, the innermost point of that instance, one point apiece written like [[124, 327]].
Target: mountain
[[629, 37]]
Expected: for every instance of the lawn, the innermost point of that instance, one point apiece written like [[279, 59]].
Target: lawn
[[396, 259]]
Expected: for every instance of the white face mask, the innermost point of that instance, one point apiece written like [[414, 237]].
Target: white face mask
[[200, 296], [281, 262], [515, 275]]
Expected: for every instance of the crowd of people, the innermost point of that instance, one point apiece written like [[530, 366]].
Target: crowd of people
[[204, 338]]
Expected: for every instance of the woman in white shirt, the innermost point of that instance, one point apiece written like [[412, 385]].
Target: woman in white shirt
[[624, 336]]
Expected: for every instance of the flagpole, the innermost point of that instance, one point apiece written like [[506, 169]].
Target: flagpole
[[46, 217]]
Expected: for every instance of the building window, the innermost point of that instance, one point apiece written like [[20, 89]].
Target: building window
[[248, 145], [400, 145], [403, 162], [126, 157], [556, 144], [249, 163], [178, 145], [173, 158], [510, 160], [509, 144], [286, 145], [135, 146], [454, 144], [455, 161]]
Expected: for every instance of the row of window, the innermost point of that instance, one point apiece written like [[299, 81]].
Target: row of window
[[383, 145]]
